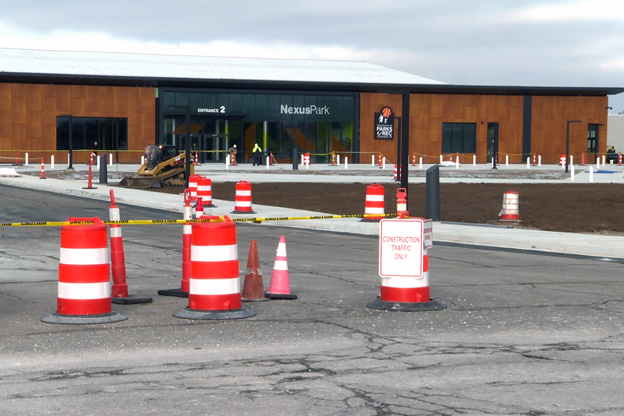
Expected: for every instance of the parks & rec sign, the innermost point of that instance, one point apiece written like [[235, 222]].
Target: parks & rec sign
[[384, 124]]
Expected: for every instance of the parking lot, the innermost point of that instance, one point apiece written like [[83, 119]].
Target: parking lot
[[524, 333]]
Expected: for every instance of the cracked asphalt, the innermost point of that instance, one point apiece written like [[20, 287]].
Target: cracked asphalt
[[524, 333]]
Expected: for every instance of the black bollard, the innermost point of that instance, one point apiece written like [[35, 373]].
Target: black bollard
[[103, 171], [433, 193], [295, 159]]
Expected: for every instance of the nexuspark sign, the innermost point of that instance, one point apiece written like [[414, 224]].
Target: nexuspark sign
[[311, 109]]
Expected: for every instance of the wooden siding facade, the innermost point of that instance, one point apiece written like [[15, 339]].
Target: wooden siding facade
[[28, 115], [548, 124], [28, 118]]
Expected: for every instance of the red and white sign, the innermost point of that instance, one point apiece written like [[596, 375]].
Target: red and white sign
[[428, 234], [401, 247]]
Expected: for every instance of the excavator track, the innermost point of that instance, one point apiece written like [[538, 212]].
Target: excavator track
[[171, 178]]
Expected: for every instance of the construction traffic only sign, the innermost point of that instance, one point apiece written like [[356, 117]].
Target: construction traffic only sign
[[401, 247]]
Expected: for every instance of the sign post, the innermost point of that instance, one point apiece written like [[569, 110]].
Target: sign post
[[404, 266]]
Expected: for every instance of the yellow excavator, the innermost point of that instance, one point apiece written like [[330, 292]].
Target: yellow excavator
[[164, 166]]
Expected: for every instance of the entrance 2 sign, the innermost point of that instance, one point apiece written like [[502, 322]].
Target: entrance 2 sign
[[401, 247]]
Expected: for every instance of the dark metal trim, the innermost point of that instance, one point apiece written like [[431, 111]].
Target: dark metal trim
[[71, 79]]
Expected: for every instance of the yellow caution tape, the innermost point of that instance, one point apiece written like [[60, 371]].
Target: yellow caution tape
[[182, 221]]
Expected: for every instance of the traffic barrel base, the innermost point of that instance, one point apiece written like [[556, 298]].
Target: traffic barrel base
[[57, 318], [432, 305], [187, 313], [173, 292], [131, 300]]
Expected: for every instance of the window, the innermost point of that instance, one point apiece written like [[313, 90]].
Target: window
[[592, 138], [92, 133], [459, 137]]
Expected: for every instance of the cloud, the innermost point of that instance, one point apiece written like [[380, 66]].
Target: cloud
[[525, 42], [577, 10]]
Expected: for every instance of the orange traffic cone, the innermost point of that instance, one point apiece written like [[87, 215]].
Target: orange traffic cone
[[253, 288], [279, 288]]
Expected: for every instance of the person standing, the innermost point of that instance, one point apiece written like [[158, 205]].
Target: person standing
[[256, 155]]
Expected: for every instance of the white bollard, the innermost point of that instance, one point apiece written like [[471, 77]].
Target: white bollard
[[337, 160], [302, 160], [591, 174], [268, 161], [346, 162], [97, 163], [420, 163], [571, 160], [142, 160], [528, 163], [67, 159], [572, 173], [373, 164], [52, 162], [457, 162], [603, 160], [383, 166], [598, 163], [474, 160], [506, 160], [110, 159], [441, 159], [26, 159], [539, 160], [227, 161]]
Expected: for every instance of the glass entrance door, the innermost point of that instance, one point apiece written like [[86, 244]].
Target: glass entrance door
[[492, 142], [592, 140]]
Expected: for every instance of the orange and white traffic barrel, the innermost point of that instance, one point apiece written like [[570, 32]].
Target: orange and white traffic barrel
[[407, 294], [214, 284], [402, 203], [242, 199], [511, 207], [193, 183], [204, 191], [84, 287], [374, 208], [402, 289], [42, 170]]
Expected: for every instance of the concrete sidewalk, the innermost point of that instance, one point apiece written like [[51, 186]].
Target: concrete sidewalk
[[494, 236]]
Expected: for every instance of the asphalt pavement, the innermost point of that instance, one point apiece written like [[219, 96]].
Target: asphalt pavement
[[483, 235], [524, 332]]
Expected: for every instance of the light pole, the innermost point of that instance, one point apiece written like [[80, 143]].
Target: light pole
[[187, 144], [568, 143]]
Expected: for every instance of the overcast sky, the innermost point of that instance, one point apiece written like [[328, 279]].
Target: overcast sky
[[476, 42]]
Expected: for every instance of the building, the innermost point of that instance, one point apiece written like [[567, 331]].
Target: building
[[120, 102], [615, 132]]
